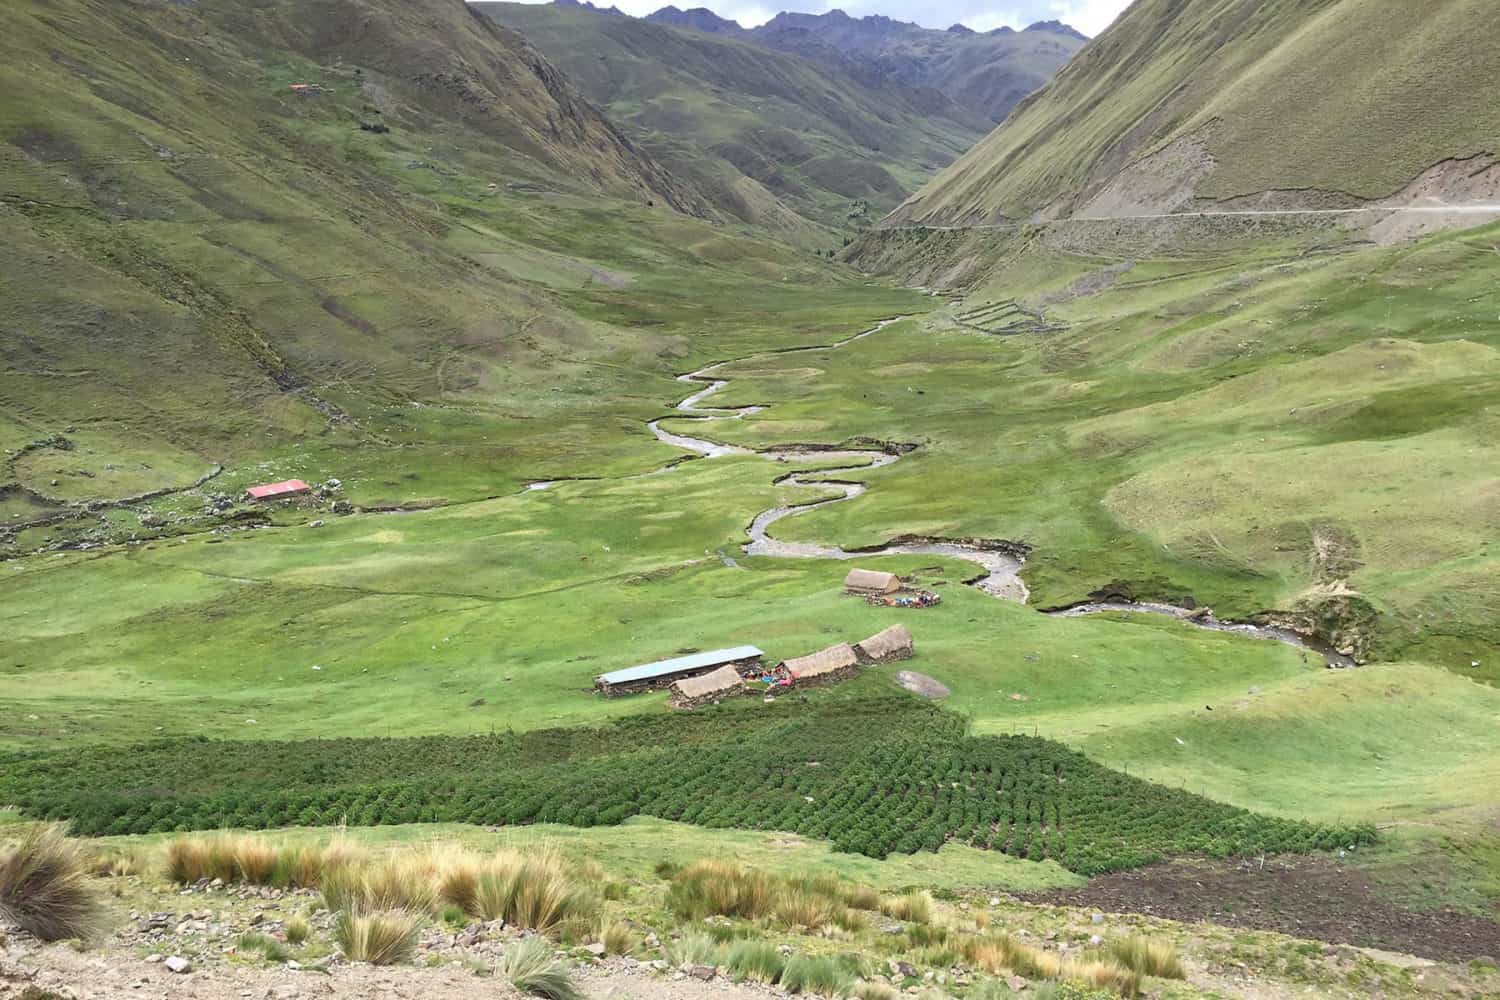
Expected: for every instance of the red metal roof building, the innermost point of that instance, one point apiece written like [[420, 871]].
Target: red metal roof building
[[274, 491]]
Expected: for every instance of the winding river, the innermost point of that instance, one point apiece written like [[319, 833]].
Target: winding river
[[1000, 562]]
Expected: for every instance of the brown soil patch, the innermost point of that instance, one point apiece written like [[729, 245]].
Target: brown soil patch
[[1315, 898]]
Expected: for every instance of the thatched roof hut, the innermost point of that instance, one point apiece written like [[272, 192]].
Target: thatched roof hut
[[886, 646], [833, 663], [693, 691], [871, 581]]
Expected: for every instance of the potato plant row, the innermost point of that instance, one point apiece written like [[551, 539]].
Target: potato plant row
[[875, 776]]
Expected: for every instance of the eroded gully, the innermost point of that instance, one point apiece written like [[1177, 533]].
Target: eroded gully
[[999, 561]]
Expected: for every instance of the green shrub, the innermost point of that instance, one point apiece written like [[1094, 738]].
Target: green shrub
[[298, 930], [44, 886], [531, 967], [269, 948]]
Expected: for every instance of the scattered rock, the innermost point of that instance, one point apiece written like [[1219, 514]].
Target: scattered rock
[[1097, 918], [153, 959], [703, 972], [1016, 983], [179, 965], [1095, 940], [596, 949]]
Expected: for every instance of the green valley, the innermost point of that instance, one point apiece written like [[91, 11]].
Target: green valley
[[1188, 492]]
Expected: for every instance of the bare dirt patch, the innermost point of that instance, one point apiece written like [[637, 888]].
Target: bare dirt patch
[[923, 685], [1315, 898]]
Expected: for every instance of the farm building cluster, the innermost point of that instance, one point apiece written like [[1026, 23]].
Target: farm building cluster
[[887, 590], [704, 678]]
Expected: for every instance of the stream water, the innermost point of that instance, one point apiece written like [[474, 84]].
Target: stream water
[[1001, 568]]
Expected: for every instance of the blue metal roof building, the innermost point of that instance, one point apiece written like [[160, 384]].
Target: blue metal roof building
[[681, 666]]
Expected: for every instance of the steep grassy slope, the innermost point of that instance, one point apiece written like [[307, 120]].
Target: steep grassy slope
[[207, 267], [780, 142], [1229, 98]]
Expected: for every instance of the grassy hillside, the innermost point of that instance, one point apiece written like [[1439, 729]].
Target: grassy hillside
[[1253, 429], [781, 142], [385, 281], [1229, 98]]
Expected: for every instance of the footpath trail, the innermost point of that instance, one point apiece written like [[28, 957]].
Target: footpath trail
[[1231, 213], [1000, 561]]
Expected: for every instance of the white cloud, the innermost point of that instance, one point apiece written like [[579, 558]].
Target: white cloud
[[990, 20], [1089, 16], [750, 15]]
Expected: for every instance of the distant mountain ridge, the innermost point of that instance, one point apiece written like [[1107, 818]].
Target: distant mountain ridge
[[987, 72], [798, 147]]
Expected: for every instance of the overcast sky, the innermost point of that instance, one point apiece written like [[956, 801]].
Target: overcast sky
[[1088, 16]]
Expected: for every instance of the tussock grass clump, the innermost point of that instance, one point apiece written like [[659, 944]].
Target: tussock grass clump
[[927, 935], [531, 967], [1147, 957], [866, 990], [268, 947], [187, 859], [120, 863], [298, 867], [534, 891], [862, 897], [915, 907], [821, 975], [720, 888], [398, 884], [379, 937], [798, 907], [44, 886], [1103, 974], [618, 937], [1001, 953], [298, 930], [758, 961], [696, 948], [254, 860]]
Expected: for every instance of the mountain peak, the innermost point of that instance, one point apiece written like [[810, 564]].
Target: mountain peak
[[696, 18], [1058, 28]]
